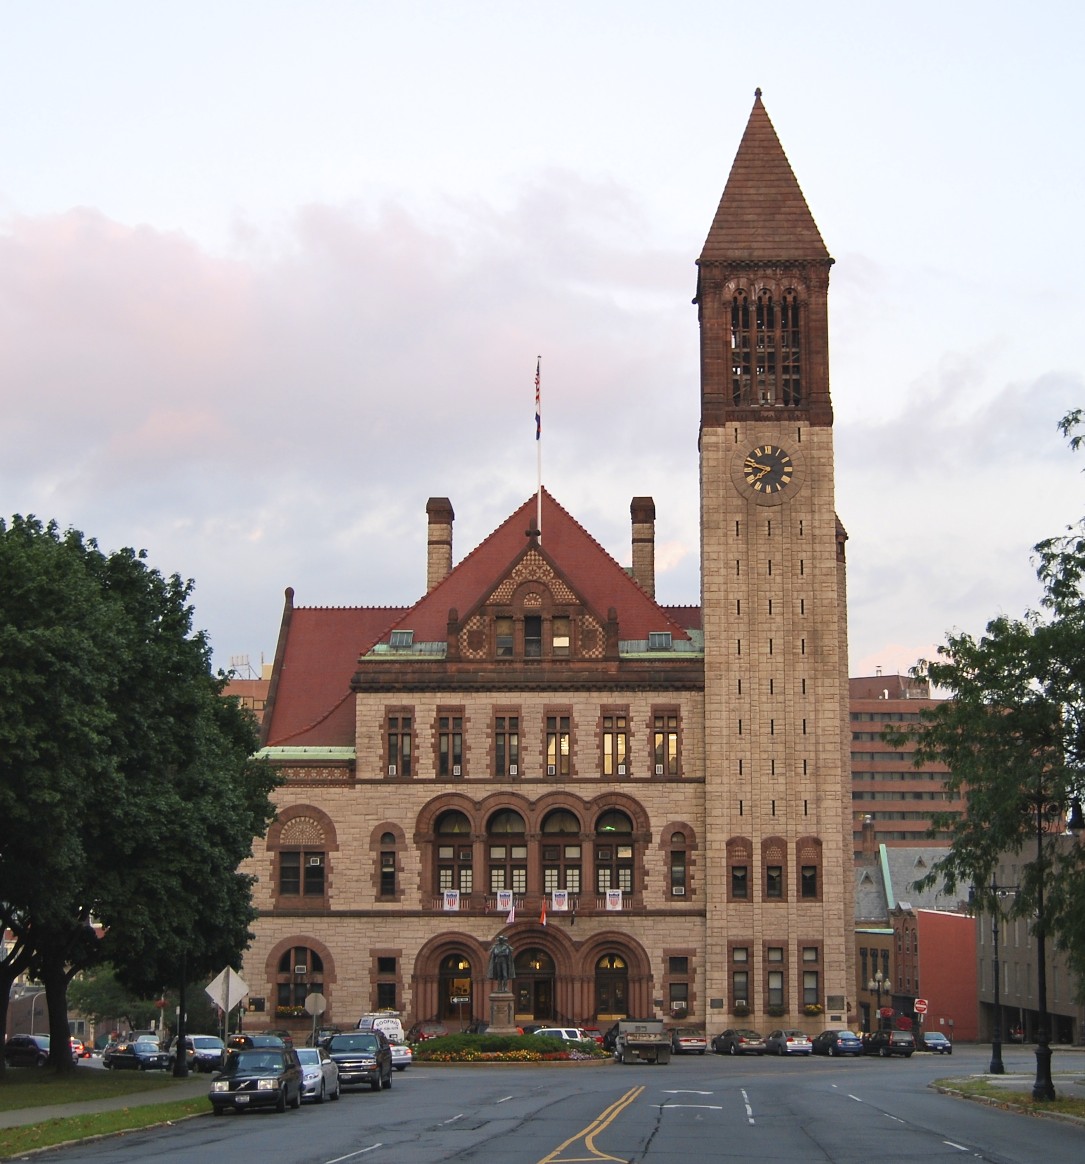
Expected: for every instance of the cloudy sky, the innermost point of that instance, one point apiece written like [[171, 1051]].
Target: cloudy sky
[[274, 272]]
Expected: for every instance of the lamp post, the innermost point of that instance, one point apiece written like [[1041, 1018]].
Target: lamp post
[[997, 1067], [877, 985], [34, 1008]]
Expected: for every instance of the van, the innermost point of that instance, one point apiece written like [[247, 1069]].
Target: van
[[385, 1021]]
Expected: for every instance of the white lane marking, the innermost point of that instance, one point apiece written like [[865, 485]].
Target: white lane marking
[[351, 1155], [896, 1119], [709, 1106], [504, 1099], [685, 1091], [855, 1097], [749, 1109], [452, 1120], [959, 1147]]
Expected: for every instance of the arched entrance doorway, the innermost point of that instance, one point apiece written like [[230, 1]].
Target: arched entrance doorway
[[454, 996], [534, 988], [611, 988]]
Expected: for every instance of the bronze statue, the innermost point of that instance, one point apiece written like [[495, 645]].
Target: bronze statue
[[499, 968]]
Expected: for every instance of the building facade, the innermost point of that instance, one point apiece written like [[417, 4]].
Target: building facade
[[651, 802], [889, 793]]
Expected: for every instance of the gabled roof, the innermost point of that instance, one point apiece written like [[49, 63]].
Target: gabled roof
[[762, 214], [589, 570], [318, 653]]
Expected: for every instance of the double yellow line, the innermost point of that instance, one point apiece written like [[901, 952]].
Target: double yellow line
[[588, 1134]]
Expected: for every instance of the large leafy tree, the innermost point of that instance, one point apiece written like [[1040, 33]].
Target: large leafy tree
[[1013, 736], [128, 792]]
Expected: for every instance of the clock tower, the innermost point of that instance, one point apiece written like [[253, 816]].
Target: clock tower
[[777, 775]]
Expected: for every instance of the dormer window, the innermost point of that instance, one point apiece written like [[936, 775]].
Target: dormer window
[[560, 634], [532, 636], [402, 639], [503, 631], [659, 640]]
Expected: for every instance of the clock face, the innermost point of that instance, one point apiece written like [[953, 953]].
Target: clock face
[[768, 469]]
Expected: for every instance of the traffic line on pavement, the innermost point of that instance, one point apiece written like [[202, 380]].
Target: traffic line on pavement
[[588, 1134], [749, 1108]]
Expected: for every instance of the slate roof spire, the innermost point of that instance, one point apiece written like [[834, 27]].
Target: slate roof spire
[[762, 214]]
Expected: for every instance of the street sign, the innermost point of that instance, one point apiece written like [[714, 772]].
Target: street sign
[[920, 1006], [316, 1004]]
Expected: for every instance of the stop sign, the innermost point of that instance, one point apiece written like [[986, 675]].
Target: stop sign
[[920, 1006]]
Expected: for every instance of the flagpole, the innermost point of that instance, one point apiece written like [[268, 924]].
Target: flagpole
[[538, 449]]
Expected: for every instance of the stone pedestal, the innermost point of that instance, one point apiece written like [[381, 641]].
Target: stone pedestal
[[502, 1013]]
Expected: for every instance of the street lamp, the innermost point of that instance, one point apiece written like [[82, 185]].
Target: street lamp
[[997, 1067], [34, 1008], [877, 985]]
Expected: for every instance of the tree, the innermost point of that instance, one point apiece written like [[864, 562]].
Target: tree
[[1012, 734], [128, 792], [98, 996]]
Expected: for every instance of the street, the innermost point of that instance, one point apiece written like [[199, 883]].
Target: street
[[744, 1109]]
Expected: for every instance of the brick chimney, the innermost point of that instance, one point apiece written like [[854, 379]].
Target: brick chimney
[[643, 512], [439, 555]]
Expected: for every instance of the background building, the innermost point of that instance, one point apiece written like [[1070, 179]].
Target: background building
[[897, 798]]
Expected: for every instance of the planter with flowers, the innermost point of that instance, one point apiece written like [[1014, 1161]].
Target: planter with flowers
[[813, 1009]]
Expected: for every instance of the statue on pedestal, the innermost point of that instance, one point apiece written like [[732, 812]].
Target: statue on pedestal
[[500, 967]]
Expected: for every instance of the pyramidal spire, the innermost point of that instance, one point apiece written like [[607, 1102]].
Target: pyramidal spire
[[762, 214]]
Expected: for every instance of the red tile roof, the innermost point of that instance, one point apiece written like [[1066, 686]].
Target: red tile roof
[[599, 580]]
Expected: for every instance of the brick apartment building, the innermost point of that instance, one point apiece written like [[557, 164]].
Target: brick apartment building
[[652, 802]]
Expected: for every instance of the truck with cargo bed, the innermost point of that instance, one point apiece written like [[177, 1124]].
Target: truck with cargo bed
[[642, 1041]]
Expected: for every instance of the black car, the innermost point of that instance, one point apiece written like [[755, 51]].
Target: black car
[[886, 1043], [362, 1057], [140, 1055], [257, 1077], [27, 1051], [838, 1042]]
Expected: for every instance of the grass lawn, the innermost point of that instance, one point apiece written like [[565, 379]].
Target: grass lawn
[[1065, 1105], [21, 1089]]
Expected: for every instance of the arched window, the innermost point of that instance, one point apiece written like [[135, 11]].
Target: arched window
[[387, 884], [614, 852], [506, 851], [739, 864], [300, 973], [301, 865], [740, 349], [562, 853], [454, 853], [678, 859]]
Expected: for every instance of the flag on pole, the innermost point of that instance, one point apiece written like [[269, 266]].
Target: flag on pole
[[511, 915], [542, 916], [538, 406]]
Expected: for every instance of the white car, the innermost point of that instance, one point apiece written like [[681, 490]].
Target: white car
[[402, 1056], [569, 1034], [319, 1075]]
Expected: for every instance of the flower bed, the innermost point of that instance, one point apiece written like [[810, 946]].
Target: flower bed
[[504, 1049]]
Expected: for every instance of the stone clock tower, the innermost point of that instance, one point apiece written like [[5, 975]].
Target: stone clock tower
[[778, 828]]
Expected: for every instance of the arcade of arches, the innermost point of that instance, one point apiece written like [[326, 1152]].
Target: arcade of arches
[[555, 982]]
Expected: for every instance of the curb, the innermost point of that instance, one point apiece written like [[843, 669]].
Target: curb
[[1009, 1105]]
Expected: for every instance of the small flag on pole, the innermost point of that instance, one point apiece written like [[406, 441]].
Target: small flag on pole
[[542, 916], [511, 915], [538, 406]]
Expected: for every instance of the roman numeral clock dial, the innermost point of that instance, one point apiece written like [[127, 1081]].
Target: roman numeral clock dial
[[768, 469]]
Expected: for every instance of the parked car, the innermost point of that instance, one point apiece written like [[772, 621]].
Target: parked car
[[937, 1042], [254, 1042], [788, 1043], [887, 1043], [140, 1055], [739, 1041], [837, 1042], [319, 1074], [321, 1035], [429, 1029], [79, 1049], [257, 1077], [204, 1052], [27, 1051], [593, 1032], [569, 1034], [286, 1036], [688, 1041], [402, 1056], [363, 1057]]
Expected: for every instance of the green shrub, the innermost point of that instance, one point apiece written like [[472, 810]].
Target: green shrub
[[503, 1049]]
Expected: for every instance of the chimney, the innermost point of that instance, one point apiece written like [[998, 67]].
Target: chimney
[[869, 839], [643, 512], [439, 555]]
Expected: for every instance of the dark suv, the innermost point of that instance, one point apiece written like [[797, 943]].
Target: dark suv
[[362, 1057], [887, 1043]]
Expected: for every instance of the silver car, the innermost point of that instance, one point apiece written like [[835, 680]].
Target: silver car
[[788, 1043], [319, 1075], [402, 1056]]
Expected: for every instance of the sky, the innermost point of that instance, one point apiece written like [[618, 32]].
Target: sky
[[275, 272]]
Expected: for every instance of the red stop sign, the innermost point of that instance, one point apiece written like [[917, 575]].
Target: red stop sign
[[920, 1006]]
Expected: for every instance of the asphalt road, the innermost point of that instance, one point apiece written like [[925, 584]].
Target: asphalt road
[[698, 1108]]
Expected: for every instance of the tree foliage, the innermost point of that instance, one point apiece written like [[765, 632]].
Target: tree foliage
[[128, 792], [1012, 734]]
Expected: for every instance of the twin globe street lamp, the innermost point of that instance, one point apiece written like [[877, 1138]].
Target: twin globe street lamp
[[878, 985]]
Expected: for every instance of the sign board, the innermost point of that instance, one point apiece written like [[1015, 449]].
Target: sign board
[[920, 1006], [315, 1004], [227, 990], [460, 999]]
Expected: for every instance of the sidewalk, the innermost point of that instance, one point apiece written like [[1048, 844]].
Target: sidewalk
[[190, 1088]]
